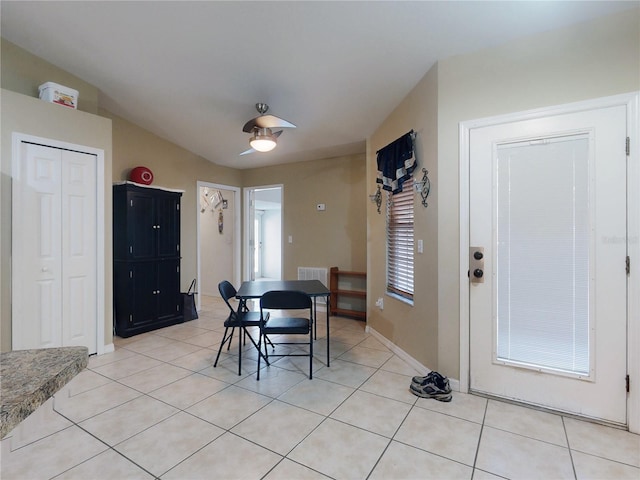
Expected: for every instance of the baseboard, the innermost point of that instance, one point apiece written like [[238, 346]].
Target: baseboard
[[455, 383]]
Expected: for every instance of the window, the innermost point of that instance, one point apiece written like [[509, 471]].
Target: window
[[400, 241]]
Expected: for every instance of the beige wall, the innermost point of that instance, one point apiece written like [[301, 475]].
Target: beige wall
[[333, 238], [413, 328], [172, 167], [594, 59], [32, 116], [23, 73]]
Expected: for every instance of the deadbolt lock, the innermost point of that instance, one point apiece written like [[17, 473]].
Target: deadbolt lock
[[476, 264]]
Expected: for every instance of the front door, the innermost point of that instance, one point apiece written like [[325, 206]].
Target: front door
[[547, 262]]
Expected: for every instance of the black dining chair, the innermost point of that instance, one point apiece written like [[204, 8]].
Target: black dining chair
[[241, 319], [299, 322]]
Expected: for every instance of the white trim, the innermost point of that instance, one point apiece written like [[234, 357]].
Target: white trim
[[155, 187], [237, 245], [248, 227], [420, 369], [631, 101], [17, 139]]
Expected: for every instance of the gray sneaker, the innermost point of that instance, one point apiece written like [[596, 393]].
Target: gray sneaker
[[431, 391], [434, 378]]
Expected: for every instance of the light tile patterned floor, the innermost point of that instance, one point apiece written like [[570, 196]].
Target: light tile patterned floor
[[156, 408]]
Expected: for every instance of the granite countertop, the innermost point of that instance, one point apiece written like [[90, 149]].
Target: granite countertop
[[29, 378]]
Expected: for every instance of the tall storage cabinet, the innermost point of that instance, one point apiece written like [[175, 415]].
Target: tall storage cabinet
[[146, 253]]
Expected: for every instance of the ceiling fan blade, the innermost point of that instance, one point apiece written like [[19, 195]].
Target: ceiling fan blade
[[247, 152], [266, 121]]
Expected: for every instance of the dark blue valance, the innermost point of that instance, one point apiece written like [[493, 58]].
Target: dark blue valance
[[396, 163]]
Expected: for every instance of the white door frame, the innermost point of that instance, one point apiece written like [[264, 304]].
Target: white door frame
[[248, 226], [236, 229], [631, 101], [16, 244]]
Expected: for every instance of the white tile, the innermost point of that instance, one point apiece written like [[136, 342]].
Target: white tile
[[229, 406], [317, 395], [126, 420], [373, 413], [181, 435], [189, 390], [402, 462], [390, 385], [346, 373], [366, 356], [109, 464], [288, 470], [526, 421], [43, 422], [126, 367], [514, 456], [228, 457], [172, 351], [273, 381], [330, 450], [50, 456], [118, 354], [606, 442], [86, 380], [93, 402], [462, 405], [196, 361], [589, 467], [443, 435], [141, 344], [397, 365], [209, 339], [155, 377], [180, 332], [278, 426]]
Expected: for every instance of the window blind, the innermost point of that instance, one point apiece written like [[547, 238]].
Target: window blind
[[400, 241]]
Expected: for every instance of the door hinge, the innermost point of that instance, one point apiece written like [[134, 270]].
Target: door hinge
[[628, 146], [627, 383], [178, 207], [628, 265], [131, 202]]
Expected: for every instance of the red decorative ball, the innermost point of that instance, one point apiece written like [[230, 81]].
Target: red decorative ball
[[141, 175]]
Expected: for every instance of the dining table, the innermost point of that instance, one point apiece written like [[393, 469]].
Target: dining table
[[254, 289]]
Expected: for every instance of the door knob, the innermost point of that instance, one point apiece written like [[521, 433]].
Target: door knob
[[478, 273], [478, 255]]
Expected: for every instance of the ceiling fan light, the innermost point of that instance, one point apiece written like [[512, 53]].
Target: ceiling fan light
[[263, 141]]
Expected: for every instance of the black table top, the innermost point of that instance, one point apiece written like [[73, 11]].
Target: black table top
[[255, 289]]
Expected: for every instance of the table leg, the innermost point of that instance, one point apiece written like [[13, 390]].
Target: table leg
[[327, 298]]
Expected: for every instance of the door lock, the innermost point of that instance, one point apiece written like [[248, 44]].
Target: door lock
[[476, 264]]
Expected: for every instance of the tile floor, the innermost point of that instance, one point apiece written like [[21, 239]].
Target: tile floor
[[156, 408]]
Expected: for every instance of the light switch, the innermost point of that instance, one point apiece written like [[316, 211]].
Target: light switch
[[290, 238], [420, 246]]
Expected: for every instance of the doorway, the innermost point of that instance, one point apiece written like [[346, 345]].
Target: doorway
[[57, 245], [218, 241], [547, 312], [263, 226]]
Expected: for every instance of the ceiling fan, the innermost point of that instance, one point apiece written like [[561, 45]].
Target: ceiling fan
[[263, 139]]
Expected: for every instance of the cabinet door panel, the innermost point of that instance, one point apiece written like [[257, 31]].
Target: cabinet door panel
[[168, 225], [142, 234], [144, 293], [169, 287]]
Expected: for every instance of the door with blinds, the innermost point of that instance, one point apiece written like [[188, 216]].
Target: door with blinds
[[548, 246]]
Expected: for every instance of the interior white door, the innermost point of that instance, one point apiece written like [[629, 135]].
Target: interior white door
[[55, 249], [548, 315]]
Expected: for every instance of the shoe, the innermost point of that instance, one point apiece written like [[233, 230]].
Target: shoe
[[439, 380], [431, 391]]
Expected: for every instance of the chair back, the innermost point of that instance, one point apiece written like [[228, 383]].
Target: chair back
[[227, 291], [285, 300]]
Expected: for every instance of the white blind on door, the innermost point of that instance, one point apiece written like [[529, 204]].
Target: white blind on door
[[543, 238]]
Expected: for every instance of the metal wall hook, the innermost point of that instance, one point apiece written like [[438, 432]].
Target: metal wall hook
[[423, 187], [377, 198]]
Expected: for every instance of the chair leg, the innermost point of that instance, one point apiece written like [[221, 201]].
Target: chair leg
[[259, 354], [233, 329], [240, 351], [310, 353], [224, 340]]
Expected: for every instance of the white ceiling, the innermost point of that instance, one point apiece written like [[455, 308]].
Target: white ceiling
[[191, 72]]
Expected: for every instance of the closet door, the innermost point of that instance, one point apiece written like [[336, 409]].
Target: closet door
[[54, 262]]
